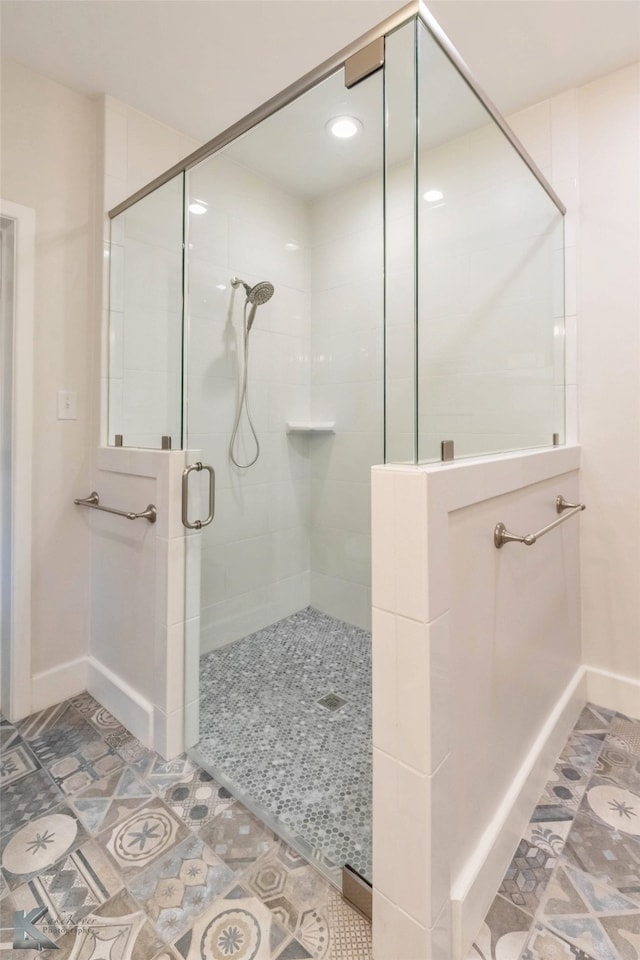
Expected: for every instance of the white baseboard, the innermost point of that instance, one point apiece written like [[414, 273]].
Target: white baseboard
[[121, 700], [474, 889], [614, 691], [53, 686]]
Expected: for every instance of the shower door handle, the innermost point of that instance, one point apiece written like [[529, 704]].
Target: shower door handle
[[198, 524]]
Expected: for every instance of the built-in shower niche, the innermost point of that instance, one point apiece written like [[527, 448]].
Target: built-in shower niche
[[415, 277]]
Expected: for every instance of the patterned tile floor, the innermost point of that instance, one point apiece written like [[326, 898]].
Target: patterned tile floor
[[302, 767], [134, 858], [572, 890]]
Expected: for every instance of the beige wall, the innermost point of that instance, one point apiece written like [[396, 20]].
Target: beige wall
[[588, 141], [48, 155], [609, 369]]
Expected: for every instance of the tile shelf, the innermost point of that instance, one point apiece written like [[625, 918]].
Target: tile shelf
[[310, 426]]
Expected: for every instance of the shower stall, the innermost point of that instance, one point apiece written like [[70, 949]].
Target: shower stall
[[368, 269]]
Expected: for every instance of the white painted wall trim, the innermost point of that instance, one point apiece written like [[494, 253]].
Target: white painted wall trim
[[17, 687], [613, 690], [474, 889], [120, 699], [53, 686]]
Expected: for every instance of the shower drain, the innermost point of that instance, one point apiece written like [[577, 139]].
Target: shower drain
[[332, 701]]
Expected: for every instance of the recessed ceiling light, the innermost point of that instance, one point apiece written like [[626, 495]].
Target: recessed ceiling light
[[198, 206], [432, 196], [344, 127]]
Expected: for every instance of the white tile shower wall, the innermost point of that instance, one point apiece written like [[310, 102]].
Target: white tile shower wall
[[255, 556], [458, 390], [346, 388], [486, 302]]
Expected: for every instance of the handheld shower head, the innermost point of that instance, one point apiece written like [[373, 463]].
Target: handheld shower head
[[256, 296], [259, 294]]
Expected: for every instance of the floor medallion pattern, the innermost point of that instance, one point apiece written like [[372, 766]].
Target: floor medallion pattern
[[230, 930], [39, 844], [618, 808], [143, 837]]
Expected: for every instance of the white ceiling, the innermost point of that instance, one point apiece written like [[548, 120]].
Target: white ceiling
[[200, 65]]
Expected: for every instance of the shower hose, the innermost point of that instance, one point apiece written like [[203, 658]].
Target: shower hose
[[243, 401]]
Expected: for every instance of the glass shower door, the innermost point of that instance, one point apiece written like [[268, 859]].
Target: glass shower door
[[284, 401]]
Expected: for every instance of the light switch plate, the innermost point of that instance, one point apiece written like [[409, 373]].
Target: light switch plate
[[67, 405]]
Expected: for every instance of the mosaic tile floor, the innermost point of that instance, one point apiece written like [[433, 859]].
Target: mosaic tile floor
[[134, 858], [302, 766], [572, 890]]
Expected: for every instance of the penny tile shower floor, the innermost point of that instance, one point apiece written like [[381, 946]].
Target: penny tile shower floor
[[572, 890], [138, 859], [285, 717]]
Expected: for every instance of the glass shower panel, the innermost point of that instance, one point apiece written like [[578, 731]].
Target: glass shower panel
[[401, 138], [284, 399], [490, 278], [145, 320]]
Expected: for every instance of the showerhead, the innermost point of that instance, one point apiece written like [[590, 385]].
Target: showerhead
[[256, 296], [259, 294]]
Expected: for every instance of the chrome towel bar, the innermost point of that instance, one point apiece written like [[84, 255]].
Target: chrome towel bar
[[501, 535], [93, 501]]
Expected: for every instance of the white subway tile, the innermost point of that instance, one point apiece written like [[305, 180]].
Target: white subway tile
[[439, 730], [383, 561], [387, 855], [191, 723], [441, 850], [385, 682], [385, 929], [413, 844], [412, 683], [410, 544], [174, 665], [192, 659]]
